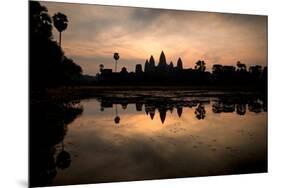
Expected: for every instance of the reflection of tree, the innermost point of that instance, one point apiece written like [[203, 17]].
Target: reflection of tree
[[117, 118], [124, 105], [217, 107], [200, 112], [241, 109], [63, 159], [255, 106], [48, 126], [228, 107], [264, 103], [221, 105]]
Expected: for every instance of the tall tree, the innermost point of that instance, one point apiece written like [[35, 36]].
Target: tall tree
[[101, 67], [40, 21], [60, 22], [116, 57], [200, 66], [241, 66]]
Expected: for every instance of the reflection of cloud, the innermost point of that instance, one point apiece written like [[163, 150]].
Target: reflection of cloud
[[136, 33], [141, 148]]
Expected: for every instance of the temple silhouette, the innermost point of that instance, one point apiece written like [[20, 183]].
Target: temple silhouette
[[163, 74]]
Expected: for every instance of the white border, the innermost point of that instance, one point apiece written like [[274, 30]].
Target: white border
[[14, 74]]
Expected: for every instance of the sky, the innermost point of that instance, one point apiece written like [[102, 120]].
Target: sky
[[95, 32]]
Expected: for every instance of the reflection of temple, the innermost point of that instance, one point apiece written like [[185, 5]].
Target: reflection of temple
[[165, 104]]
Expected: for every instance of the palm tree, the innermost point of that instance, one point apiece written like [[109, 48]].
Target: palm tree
[[60, 22], [116, 57], [241, 66], [101, 67], [200, 66]]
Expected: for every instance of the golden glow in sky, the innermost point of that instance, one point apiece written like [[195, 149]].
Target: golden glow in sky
[[95, 32]]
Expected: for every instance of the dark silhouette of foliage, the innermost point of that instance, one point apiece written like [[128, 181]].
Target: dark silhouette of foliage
[[70, 69], [63, 160], [217, 68], [60, 23], [241, 109], [124, 70], [116, 57], [40, 21], [200, 66], [48, 65], [101, 66], [200, 112], [48, 127], [241, 66]]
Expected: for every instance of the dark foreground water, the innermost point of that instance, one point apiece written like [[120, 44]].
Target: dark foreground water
[[149, 135]]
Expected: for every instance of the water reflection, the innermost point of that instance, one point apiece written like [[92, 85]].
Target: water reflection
[[164, 104], [139, 143], [48, 127]]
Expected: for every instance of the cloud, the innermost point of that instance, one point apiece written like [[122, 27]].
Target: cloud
[[95, 32]]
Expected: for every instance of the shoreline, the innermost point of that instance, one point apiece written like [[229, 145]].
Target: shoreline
[[72, 93]]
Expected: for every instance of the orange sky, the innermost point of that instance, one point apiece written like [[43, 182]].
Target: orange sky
[[95, 32]]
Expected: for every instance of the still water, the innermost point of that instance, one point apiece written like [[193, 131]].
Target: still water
[[123, 138]]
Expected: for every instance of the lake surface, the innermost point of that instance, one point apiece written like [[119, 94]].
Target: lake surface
[[150, 135]]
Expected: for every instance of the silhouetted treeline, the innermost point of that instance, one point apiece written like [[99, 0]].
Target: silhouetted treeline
[[170, 74], [48, 64]]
